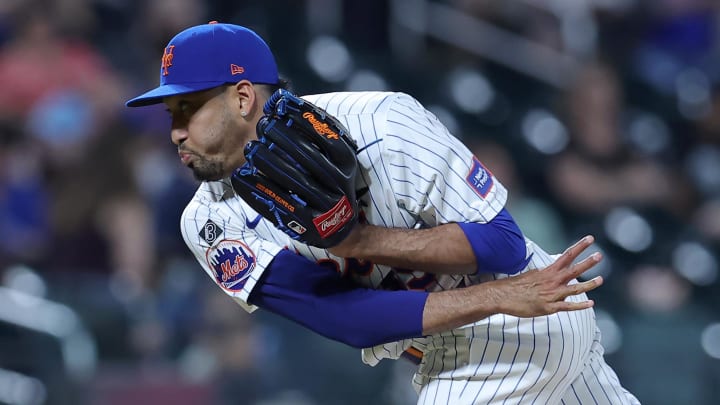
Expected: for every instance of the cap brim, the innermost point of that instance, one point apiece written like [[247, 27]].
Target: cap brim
[[156, 95]]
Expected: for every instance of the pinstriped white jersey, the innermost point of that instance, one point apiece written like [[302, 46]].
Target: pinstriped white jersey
[[418, 175]]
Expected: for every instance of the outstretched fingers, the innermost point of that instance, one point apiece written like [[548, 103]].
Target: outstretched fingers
[[560, 303], [572, 271], [585, 286], [574, 251], [581, 267], [545, 291], [576, 289], [571, 306]]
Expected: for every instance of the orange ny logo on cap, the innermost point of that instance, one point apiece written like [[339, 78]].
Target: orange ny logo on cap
[[167, 59]]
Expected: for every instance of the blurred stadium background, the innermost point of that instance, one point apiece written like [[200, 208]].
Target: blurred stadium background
[[601, 116]]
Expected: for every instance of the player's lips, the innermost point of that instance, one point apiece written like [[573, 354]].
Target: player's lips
[[185, 157]]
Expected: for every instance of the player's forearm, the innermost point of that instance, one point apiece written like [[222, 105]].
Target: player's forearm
[[452, 309], [497, 246], [442, 249]]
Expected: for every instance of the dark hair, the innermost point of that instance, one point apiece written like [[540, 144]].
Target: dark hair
[[272, 88]]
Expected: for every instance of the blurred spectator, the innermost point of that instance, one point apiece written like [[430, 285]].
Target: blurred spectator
[[66, 99], [227, 352], [599, 170], [96, 205], [676, 35], [707, 219], [703, 166], [24, 211], [38, 60], [6, 9]]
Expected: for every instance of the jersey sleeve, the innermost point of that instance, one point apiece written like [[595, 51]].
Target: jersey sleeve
[[229, 251], [432, 173]]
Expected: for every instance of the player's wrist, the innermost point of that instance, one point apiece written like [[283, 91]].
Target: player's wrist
[[348, 246], [494, 297]]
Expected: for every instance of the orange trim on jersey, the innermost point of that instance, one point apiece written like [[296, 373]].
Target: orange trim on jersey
[[414, 352], [413, 355]]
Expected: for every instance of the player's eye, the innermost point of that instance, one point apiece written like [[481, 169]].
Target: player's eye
[[182, 110]]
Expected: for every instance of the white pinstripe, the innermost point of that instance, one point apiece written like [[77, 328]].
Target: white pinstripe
[[416, 172]]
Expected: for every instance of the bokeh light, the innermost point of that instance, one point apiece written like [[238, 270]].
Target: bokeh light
[[649, 133], [543, 131], [329, 58], [710, 340], [695, 262], [471, 91], [628, 229]]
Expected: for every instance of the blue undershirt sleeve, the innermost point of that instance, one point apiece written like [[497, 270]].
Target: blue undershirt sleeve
[[321, 300], [499, 245]]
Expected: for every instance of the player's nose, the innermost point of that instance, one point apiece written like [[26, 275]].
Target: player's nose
[[178, 135]]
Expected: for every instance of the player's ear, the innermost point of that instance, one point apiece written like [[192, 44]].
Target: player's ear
[[246, 97]]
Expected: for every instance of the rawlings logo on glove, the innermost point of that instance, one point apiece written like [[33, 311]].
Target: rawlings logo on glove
[[334, 219], [300, 174], [322, 128]]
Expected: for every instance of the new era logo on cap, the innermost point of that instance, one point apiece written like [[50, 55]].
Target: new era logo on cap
[[210, 55], [236, 70]]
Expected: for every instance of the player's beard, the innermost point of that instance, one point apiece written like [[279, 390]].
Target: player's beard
[[213, 169], [204, 169]]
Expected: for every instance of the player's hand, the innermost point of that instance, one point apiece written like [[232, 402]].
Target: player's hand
[[543, 292]]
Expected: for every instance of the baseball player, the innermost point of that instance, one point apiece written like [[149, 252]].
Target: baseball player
[[427, 265]]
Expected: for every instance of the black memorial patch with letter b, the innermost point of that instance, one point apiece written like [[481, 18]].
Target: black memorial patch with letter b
[[210, 232]]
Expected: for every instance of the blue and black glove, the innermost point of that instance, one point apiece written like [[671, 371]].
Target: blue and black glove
[[301, 172]]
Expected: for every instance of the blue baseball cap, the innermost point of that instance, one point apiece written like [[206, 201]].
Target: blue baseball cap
[[210, 55]]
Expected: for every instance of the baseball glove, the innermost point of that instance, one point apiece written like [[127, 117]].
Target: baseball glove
[[300, 174]]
